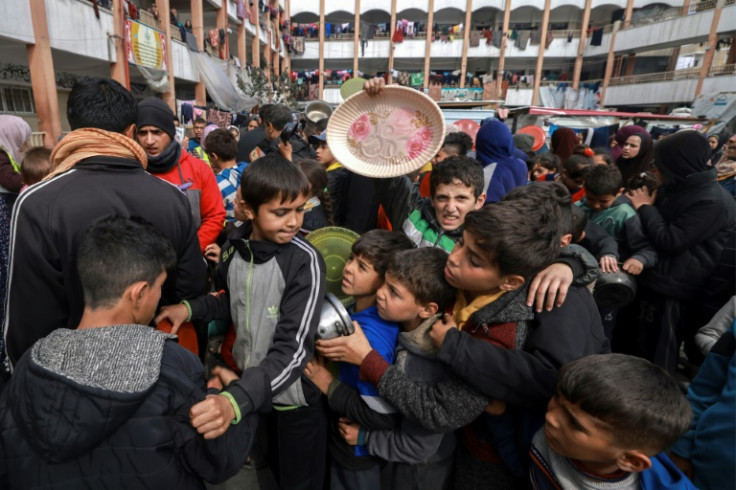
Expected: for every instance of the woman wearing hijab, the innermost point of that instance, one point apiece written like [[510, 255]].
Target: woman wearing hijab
[[621, 136], [636, 155], [564, 141], [502, 170], [690, 220], [14, 134], [716, 142]]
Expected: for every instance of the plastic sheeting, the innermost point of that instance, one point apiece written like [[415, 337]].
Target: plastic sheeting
[[567, 98], [221, 81], [157, 80]]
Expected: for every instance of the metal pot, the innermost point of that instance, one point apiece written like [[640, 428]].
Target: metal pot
[[334, 320], [317, 110], [615, 289]]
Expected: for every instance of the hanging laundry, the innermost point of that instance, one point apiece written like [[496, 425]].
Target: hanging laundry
[[569, 37], [403, 78], [488, 35], [548, 39], [242, 12], [497, 39], [417, 80], [398, 36], [474, 39], [535, 37], [522, 39], [298, 45], [596, 39], [214, 37], [514, 34]]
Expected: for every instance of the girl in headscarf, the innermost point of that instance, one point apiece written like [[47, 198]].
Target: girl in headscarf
[[564, 141], [14, 134], [690, 220], [502, 170], [636, 155]]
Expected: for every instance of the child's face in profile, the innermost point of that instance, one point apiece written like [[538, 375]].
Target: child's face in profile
[[275, 221], [396, 303], [574, 181], [324, 154], [538, 171], [359, 277], [577, 435], [469, 270]]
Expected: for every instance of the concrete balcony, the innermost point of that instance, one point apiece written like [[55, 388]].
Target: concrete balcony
[[668, 87], [663, 31], [15, 22]]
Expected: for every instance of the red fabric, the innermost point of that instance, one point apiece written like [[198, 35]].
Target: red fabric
[[211, 207], [424, 185], [398, 36], [383, 222], [373, 367], [578, 195], [226, 351]]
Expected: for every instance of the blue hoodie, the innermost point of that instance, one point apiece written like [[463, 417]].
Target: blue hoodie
[[502, 170]]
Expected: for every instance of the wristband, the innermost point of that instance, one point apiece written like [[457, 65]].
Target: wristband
[[189, 310], [236, 408]]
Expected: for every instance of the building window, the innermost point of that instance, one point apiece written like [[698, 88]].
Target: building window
[[16, 100]]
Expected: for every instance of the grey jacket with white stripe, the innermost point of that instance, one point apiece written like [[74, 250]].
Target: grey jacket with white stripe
[[274, 297]]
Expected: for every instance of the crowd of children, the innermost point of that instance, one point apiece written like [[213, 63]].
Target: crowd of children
[[480, 356]]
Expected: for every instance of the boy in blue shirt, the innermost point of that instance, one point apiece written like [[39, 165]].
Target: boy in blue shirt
[[607, 426], [364, 273]]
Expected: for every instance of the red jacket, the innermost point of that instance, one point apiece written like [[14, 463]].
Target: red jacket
[[211, 207]]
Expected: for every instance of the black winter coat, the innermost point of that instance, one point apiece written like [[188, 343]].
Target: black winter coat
[[109, 408], [689, 225]]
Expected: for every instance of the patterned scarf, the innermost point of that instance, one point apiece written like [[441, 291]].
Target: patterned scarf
[[91, 142]]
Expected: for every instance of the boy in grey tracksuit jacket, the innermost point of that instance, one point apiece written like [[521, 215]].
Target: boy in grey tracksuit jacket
[[274, 295]]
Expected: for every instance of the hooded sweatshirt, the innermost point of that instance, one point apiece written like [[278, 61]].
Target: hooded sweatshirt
[[109, 408], [502, 171]]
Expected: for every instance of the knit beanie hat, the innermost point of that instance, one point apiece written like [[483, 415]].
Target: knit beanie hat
[[155, 112]]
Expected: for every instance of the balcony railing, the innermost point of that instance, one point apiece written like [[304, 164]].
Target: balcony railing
[[722, 70], [674, 12], [657, 77]]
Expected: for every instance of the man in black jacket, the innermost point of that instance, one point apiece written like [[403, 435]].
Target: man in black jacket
[[264, 140], [99, 170]]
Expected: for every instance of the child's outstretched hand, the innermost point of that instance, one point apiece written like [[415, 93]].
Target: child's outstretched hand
[[440, 328], [318, 373], [349, 431], [633, 267], [351, 348], [176, 314], [609, 263]]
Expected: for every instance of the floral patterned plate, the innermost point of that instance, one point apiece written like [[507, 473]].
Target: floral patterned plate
[[386, 135]]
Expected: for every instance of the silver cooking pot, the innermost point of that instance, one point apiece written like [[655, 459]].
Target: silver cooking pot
[[317, 110], [334, 320], [615, 289]]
